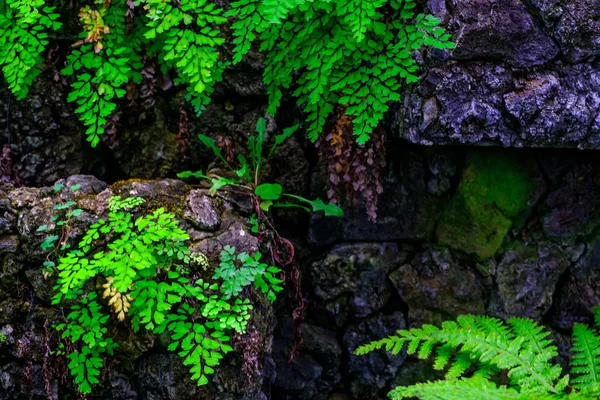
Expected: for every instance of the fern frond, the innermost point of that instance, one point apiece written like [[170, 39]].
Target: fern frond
[[494, 325], [586, 359], [489, 341], [463, 389], [534, 335], [462, 361], [444, 354], [24, 28]]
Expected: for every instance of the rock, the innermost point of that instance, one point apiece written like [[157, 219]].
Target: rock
[[315, 371], [437, 287], [574, 206], [554, 105], [578, 293], [44, 133], [496, 188], [370, 375], [10, 278], [527, 278], [200, 211], [147, 149], [352, 279], [88, 184], [575, 25], [8, 244], [500, 30]]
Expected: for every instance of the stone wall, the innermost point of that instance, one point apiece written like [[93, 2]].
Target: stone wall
[[500, 232], [488, 206]]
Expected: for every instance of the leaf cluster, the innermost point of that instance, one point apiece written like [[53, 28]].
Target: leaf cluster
[[353, 53], [142, 263], [472, 350], [24, 28]]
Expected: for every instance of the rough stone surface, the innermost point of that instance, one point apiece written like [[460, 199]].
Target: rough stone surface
[[436, 287], [371, 373], [351, 279], [580, 291], [523, 74], [575, 25], [492, 103], [315, 371], [527, 278], [142, 366], [200, 211], [500, 30]]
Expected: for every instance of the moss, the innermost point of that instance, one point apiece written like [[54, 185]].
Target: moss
[[473, 226], [119, 184], [499, 178], [494, 191]]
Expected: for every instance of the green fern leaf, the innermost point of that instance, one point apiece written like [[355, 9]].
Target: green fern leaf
[[462, 389], [586, 359]]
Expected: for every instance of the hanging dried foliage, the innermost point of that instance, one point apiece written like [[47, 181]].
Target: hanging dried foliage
[[353, 170]]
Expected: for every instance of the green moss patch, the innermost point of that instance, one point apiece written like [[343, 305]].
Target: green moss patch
[[495, 190]]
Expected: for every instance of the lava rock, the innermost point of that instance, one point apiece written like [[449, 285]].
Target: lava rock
[[527, 278], [502, 30], [370, 375], [554, 105], [315, 369], [352, 279], [436, 286]]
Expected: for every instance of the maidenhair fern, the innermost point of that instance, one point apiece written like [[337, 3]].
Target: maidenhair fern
[[105, 62], [24, 27], [143, 265], [355, 54], [473, 350]]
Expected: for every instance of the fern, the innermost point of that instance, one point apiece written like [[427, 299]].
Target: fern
[[143, 263], [102, 70], [24, 27], [189, 43], [484, 346], [346, 52], [86, 324], [354, 53], [586, 358]]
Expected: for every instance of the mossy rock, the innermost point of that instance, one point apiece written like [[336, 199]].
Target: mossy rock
[[496, 192]]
